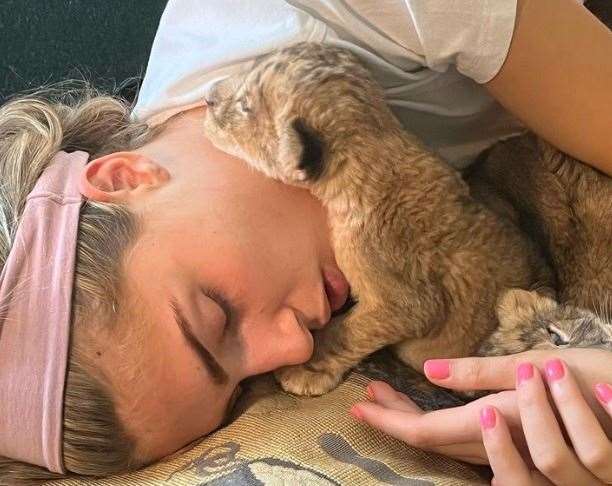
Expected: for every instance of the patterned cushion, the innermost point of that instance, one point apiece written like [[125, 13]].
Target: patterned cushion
[[279, 439]]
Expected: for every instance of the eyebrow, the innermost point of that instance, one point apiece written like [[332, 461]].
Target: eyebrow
[[218, 374]]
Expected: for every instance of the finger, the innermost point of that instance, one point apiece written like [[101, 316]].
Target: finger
[[536, 480], [383, 394], [435, 428], [472, 452], [442, 431], [603, 391], [504, 459], [483, 373], [491, 373], [440, 427], [588, 438], [547, 447]]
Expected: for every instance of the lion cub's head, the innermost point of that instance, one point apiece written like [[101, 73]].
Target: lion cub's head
[[282, 116], [528, 320]]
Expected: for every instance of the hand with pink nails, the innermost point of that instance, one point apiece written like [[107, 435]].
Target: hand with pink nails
[[551, 423]]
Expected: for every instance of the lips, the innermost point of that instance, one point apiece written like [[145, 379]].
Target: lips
[[336, 287]]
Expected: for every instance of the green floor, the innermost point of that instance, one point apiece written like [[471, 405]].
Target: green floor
[[43, 41]]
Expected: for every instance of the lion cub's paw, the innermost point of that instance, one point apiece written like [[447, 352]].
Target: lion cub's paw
[[300, 380]]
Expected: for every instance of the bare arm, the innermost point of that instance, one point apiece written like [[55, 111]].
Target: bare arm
[[557, 78]]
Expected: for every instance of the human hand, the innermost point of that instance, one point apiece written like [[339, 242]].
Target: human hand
[[455, 432], [554, 461], [589, 366]]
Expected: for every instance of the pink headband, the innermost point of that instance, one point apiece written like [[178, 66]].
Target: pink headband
[[36, 286]]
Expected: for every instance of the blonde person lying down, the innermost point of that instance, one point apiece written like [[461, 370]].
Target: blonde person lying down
[[145, 274]]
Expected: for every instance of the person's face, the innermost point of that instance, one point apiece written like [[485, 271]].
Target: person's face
[[228, 276]]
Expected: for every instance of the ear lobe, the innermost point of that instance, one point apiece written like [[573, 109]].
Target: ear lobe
[[118, 177], [302, 147]]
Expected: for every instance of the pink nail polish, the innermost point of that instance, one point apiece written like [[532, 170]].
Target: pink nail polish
[[524, 372], [438, 369], [356, 413], [554, 370], [487, 417], [604, 392]]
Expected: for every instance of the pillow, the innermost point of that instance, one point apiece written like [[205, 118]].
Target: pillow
[[279, 439]]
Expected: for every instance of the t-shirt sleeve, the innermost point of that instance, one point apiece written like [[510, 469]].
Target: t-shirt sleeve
[[200, 42], [472, 35]]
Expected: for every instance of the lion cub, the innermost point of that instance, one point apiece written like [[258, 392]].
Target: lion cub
[[424, 259], [528, 320], [565, 205]]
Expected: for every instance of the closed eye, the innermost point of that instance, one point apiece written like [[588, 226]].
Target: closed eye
[[556, 337], [231, 314], [244, 106], [217, 373]]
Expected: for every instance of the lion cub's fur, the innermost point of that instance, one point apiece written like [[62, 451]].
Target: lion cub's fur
[[529, 320], [567, 207], [424, 259], [564, 204]]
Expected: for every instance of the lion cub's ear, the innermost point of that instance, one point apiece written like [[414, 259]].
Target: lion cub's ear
[[517, 306], [301, 147]]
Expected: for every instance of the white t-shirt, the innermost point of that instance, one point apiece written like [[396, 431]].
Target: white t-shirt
[[429, 55]]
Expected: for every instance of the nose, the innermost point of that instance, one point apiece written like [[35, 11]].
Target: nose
[[274, 341], [317, 321]]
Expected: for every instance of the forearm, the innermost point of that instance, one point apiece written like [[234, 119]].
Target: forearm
[[557, 78]]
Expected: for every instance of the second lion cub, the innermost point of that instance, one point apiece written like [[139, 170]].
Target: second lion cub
[[425, 261]]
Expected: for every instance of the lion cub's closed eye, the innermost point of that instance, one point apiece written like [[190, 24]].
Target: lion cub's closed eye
[[528, 320]]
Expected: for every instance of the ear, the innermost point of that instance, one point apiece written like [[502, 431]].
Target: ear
[[301, 147], [518, 305], [120, 176]]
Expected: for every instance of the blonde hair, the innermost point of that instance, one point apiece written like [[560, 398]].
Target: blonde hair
[[73, 115]]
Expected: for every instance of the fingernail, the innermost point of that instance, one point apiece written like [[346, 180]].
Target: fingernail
[[487, 417], [604, 392], [554, 370], [356, 413], [524, 372], [369, 392], [438, 369]]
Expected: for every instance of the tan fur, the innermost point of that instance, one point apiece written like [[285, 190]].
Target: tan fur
[[567, 207], [528, 320], [424, 259], [564, 204]]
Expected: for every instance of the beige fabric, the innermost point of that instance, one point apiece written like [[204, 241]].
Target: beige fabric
[[279, 439]]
